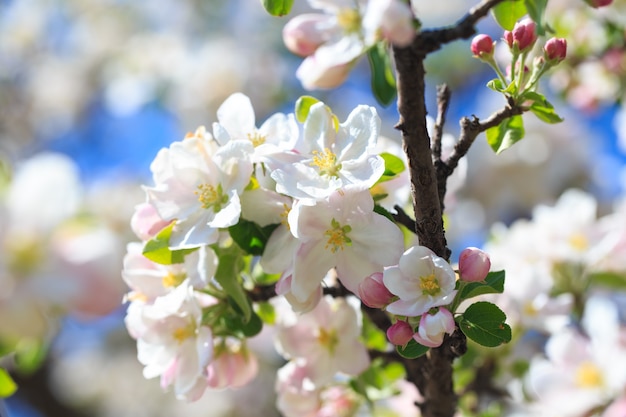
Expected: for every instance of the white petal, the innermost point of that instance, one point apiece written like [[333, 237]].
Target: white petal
[[236, 114], [311, 265]]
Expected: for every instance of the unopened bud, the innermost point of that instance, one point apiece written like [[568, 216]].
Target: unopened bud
[[373, 292], [302, 35], [433, 328], [598, 3], [555, 50], [523, 35], [474, 265], [400, 333], [482, 45]]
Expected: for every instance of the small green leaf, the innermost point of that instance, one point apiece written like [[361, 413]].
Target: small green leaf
[[277, 7], [393, 166], [303, 106], [496, 85], [227, 275], [506, 134], [383, 212], [508, 13], [250, 236], [545, 112], [7, 385], [157, 249], [412, 350], [373, 337], [536, 9], [483, 322], [383, 81], [494, 284], [30, 354], [241, 327], [613, 280], [266, 312]]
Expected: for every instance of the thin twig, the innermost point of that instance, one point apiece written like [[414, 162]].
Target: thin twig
[[443, 102], [403, 218]]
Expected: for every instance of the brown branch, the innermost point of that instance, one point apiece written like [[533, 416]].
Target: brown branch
[[443, 102], [402, 218], [431, 40]]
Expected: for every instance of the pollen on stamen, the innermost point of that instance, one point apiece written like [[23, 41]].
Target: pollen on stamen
[[429, 285], [284, 216], [256, 138], [211, 197], [337, 237], [326, 161], [182, 333], [349, 20]]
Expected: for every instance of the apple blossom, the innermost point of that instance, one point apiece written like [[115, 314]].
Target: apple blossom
[[421, 280], [304, 33], [400, 333], [283, 287], [199, 186], [344, 232], [474, 264], [146, 222], [233, 366], [331, 158], [373, 292], [325, 339], [523, 35], [433, 327], [555, 50], [172, 342]]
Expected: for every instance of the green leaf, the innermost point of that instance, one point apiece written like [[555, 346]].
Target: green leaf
[[536, 9], [496, 85], [545, 111], [493, 284], [241, 327], [508, 13], [483, 322], [383, 212], [374, 338], [227, 275], [266, 312], [613, 280], [412, 350], [303, 106], [7, 385], [277, 7], [157, 249], [250, 236], [506, 134], [393, 166], [383, 81], [30, 354]]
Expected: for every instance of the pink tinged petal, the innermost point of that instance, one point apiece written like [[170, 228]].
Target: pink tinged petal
[[303, 34], [433, 327], [236, 115], [146, 222], [373, 293], [400, 333], [312, 263], [314, 74], [411, 308], [353, 358]]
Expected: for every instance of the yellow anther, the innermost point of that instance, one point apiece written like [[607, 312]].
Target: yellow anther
[[588, 376], [579, 242], [172, 280], [328, 339], [430, 285], [337, 236], [182, 333], [211, 197], [256, 138], [349, 20], [285, 215], [326, 161]]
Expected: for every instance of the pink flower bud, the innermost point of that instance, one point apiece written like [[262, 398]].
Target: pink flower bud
[[433, 328], [316, 74], [482, 45], [232, 368], [302, 35], [523, 35], [400, 333], [598, 3], [474, 265], [555, 49], [373, 292], [146, 222]]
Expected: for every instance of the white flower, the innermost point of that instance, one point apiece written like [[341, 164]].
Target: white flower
[[237, 122], [199, 186], [433, 328], [341, 231], [171, 342], [421, 280], [326, 339], [333, 158]]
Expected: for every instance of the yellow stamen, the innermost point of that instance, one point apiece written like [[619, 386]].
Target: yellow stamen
[[326, 161], [430, 285], [337, 236], [172, 280], [256, 138], [588, 376], [210, 197], [284, 216], [579, 241], [182, 333], [349, 20], [328, 339]]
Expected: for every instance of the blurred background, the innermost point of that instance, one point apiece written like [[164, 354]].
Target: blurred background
[[90, 90]]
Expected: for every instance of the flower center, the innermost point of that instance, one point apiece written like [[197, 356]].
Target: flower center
[[579, 241], [171, 280], [328, 339], [337, 236], [326, 161], [349, 20], [182, 333], [284, 216], [430, 285], [588, 376], [256, 138], [211, 197]]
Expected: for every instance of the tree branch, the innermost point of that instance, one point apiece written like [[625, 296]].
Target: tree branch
[[443, 102]]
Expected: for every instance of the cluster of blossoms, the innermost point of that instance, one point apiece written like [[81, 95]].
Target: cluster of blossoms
[[333, 42], [310, 190], [566, 278], [520, 41]]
